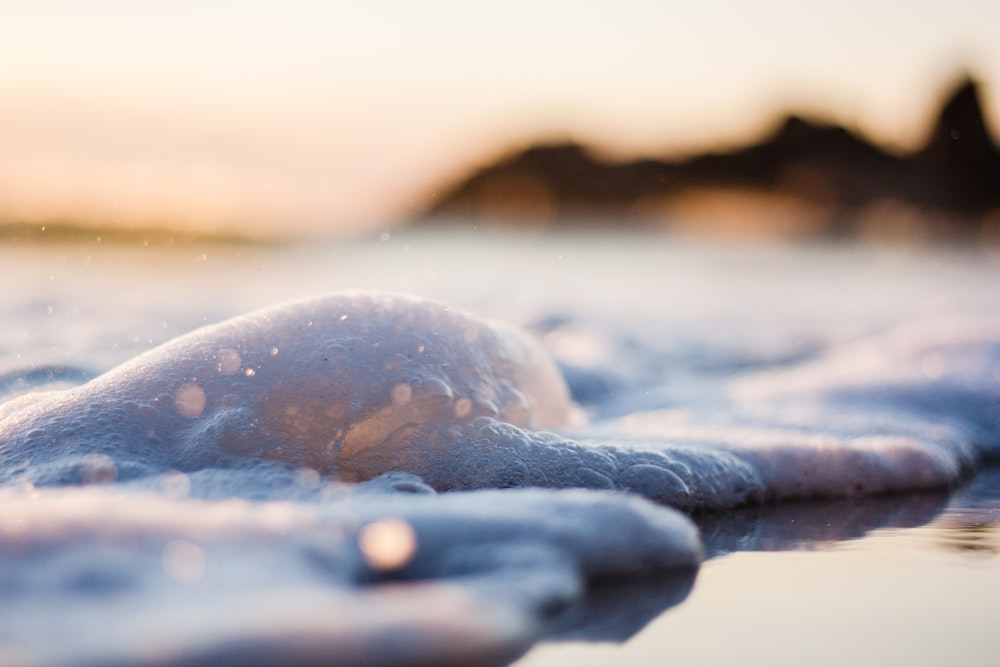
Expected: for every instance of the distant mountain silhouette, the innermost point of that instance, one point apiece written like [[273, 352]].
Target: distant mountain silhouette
[[959, 169], [954, 178]]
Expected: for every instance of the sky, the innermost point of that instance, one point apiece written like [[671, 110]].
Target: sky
[[319, 118]]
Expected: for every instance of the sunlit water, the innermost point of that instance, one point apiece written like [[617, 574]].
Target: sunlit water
[[662, 340], [814, 589]]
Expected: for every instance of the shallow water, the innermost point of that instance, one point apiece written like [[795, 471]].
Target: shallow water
[[864, 359], [861, 582]]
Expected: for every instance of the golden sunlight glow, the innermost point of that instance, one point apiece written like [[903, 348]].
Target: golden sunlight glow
[[323, 118]]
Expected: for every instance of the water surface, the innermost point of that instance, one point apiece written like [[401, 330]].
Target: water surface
[[828, 370]]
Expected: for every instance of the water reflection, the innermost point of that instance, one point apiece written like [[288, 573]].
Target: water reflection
[[971, 522], [814, 524], [616, 609], [972, 539], [965, 522]]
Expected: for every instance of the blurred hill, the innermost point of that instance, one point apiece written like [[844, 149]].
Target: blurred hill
[[806, 178]]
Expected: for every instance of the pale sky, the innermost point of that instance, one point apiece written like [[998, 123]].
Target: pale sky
[[309, 117]]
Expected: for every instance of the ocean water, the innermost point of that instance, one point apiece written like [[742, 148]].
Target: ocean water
[[790, 446]]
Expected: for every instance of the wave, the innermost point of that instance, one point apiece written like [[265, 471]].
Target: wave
[[292, 459]]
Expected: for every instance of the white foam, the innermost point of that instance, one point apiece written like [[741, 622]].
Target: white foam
[[115, 576], [333, 384], [220, 518], [358, 385]]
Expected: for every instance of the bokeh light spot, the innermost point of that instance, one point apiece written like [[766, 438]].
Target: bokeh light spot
[[189, 400], [387, 544], [175, 484], [228, 362], [98, 469], [401, 394], [184, 561], [307, 478], [463, 407], [933, 366]]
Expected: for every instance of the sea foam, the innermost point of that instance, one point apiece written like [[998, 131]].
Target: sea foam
[[357, 385], [292, 459]]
